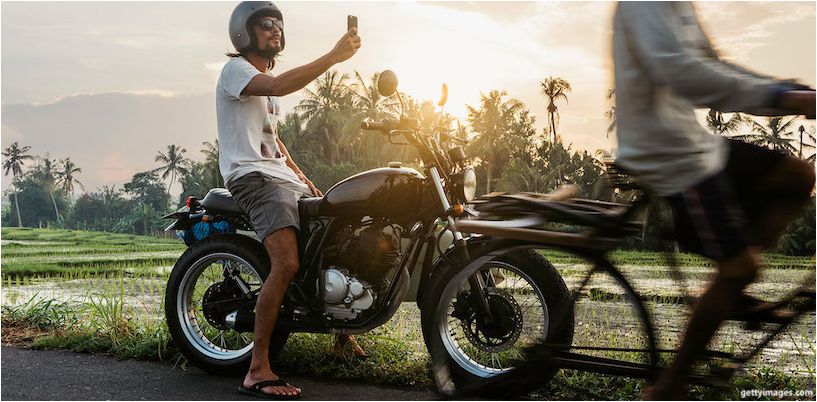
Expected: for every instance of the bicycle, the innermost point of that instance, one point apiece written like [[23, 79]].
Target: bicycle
[[519, 218]]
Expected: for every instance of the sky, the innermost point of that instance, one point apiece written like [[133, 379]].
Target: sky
[[111, 83]]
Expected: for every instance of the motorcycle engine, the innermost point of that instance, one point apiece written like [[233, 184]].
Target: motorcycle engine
[[344, 296], [360, 268]]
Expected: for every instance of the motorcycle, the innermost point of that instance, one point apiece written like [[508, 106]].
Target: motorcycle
[[364, 247]]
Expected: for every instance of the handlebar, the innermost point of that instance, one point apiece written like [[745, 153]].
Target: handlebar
[[384, 126], [389, 125]]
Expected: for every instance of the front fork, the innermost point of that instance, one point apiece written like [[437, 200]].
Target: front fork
[[478, 298]]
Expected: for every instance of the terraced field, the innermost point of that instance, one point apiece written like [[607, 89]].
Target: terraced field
[[98, 281]]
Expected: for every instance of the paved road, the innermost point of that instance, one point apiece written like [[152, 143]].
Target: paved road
[[48, 375]]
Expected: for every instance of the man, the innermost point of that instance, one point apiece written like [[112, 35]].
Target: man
[[257, 168], [729, 199]]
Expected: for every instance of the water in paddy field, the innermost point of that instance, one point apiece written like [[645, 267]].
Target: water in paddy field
[[602, 317]]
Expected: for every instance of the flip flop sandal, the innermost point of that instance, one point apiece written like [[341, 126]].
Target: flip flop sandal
[[256, 390]]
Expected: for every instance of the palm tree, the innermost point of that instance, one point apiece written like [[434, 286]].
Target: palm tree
[[174, 163], [721, 126], [491, 122], [367, 99], [610, 114], [212, 168], [45, 173], [367, 104], [15, 158], [809, 135], [772, 135], [210, 150], [65, 176], [323, 108], [554, 89], [292, 133]]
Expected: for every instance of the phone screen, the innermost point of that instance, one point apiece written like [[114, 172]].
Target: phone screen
[[351, 22]]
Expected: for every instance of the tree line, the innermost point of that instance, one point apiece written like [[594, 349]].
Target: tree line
[[322, 134]]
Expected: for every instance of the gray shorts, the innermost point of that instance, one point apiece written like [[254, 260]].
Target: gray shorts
[[270, 202]]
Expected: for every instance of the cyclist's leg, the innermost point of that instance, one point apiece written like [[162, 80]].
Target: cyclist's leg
[[713, 306], [710, 223]]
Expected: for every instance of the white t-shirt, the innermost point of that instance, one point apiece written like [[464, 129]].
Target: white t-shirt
[[245, 125]]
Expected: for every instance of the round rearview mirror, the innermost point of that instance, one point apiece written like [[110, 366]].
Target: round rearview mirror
[[387, 83]]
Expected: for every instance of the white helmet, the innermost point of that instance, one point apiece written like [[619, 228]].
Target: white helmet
[[244, 13]]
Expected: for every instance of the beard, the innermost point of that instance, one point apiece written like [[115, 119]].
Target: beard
[[269, 53]]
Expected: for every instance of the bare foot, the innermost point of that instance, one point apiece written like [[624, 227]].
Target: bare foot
[[255, 376], [346, 346]]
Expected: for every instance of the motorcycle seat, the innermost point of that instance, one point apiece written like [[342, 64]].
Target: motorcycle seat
[[309, 207], [220, 200]]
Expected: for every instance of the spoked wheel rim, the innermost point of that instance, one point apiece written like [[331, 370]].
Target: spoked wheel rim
[[200, 280], [489, 350]]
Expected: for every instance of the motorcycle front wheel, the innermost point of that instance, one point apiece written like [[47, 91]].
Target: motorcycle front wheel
[[529, 304], [203, 289]]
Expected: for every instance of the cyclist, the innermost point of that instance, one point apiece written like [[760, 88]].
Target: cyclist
[[730, 199]]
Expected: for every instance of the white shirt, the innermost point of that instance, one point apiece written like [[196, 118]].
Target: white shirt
[[665, 66], [244, 124]]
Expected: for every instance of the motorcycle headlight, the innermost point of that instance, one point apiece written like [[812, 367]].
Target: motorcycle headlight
[[469, 185]]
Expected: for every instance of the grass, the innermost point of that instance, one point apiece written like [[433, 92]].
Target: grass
[[101, 293]]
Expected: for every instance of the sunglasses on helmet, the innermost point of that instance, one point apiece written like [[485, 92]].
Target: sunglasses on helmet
[[268, 24]]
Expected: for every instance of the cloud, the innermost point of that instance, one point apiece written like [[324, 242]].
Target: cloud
[[727, 24], [111, 136], [10, 135], [136, 41]]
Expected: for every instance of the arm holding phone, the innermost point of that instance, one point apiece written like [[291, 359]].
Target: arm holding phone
[[299, 77]]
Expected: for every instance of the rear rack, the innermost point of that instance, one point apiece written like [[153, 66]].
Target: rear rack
[[521, 216]]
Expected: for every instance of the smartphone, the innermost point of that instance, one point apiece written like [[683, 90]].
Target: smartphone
[[351, 22]]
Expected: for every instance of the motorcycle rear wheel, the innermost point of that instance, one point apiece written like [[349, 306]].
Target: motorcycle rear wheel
[[197, 281]]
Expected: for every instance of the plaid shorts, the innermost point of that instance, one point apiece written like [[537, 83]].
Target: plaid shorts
[[716, 218]]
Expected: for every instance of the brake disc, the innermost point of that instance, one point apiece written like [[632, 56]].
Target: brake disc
[[498, 336]]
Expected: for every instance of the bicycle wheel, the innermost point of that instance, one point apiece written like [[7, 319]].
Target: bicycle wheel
[[613, 334], [614, 329]]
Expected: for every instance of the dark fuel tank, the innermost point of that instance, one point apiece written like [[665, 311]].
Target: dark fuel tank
[[385, 192]]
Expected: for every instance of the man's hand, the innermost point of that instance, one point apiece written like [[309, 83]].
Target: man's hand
[[315, 191], [800, 102], [346, 47]]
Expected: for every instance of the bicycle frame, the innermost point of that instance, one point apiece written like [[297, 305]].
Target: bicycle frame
[[594, 246]]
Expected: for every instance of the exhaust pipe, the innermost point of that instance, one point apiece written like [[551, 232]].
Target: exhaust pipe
[[241, 320]]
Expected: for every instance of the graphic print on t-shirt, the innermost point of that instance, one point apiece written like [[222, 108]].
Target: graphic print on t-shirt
[[270, 144]]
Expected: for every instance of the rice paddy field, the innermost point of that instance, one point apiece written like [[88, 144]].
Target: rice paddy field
[[103, 293]]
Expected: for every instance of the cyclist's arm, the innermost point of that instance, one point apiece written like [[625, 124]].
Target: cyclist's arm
[[704, 81], [715, 54]]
